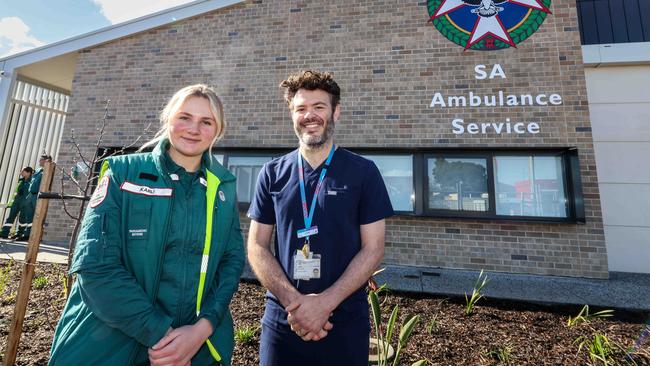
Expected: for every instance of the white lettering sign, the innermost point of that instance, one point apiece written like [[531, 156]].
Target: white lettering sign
[[480, 73], [459, 127], [500, 99]]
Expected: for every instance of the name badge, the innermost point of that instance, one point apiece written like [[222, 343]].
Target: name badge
[[307, 232], [306, 268]]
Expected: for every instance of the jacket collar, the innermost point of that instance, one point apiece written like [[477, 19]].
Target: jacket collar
[[207, 163]]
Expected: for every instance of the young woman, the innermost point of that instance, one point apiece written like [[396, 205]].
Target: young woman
[[160, 251]]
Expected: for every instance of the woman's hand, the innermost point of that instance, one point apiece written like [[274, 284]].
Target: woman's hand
[[181, 344]]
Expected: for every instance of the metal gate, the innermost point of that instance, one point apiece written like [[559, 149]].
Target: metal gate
[[34, 125]]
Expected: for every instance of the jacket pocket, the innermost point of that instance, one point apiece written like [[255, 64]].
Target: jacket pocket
[[139, 220], [93, 245]]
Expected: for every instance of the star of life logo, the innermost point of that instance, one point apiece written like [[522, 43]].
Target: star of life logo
[[487, 25]]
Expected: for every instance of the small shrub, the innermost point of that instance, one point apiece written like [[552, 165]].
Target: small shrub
[[585, 317], [39, 282], [434, 325], [470, 302], [599, 347], [5, 276], [246, 334], [384, 339], [502, 354]]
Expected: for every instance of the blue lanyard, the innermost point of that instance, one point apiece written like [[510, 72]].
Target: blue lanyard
[[301, 173]]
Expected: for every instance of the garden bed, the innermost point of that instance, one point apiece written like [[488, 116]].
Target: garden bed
[[522, 333]]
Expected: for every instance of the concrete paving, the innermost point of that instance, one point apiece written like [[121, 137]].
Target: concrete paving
[[47, 253], [628, 291]]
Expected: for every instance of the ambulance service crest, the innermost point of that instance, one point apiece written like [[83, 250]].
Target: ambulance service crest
[[487, 25]]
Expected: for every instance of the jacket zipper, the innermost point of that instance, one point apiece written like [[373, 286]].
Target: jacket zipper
[[159, 266]]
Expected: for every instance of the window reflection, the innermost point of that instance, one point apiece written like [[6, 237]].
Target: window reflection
[[397, 172], [246, 169], [530, 186], [458, 184]]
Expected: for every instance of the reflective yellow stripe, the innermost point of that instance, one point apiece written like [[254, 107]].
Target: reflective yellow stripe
[[103, 170], [211, 195]]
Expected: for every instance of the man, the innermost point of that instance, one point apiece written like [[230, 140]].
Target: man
[[18, 201], [328, 206], [25, 223]]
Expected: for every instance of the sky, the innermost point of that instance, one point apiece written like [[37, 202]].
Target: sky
[[25, 24]]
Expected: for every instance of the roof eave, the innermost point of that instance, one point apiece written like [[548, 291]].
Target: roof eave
[[115, 32]]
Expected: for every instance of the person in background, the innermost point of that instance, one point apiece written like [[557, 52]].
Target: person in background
[[160, 251], [18, 202], [25, 225]]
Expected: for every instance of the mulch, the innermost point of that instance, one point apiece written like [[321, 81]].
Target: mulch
[[518, 333]]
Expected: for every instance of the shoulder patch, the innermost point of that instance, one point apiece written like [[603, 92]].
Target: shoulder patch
[[100, 192]]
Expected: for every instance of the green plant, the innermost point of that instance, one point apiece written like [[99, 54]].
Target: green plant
[[503, 353], [470, 302], [433, 326], [384, 338], [585, 317], [39, 282], [599, 347], [245, 334], [5, 276]]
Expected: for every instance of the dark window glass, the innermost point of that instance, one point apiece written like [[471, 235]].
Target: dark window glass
[[397, 171], [246, 169], [530, 186], [458, 184]]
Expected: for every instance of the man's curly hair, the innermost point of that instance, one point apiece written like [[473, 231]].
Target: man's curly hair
[[311, 80]]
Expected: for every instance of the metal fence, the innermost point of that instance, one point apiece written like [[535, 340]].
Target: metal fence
[[33, 126]]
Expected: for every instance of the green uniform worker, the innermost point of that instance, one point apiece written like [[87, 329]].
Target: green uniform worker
[[138, 260], [18, 202], [25, 222]]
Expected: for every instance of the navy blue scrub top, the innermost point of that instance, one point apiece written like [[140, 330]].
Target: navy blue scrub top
[[353, 194]]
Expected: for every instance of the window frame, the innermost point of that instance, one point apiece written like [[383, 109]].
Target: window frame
[[571, 179], [237, 152], [457, 213], [413, 175]]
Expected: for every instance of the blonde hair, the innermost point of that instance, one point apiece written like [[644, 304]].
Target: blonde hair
[[177, 100]]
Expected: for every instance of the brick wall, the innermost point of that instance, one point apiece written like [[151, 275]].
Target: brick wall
[[389, 62]]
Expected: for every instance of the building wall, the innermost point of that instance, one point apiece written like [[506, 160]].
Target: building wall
[[619, 105], [389, 61]]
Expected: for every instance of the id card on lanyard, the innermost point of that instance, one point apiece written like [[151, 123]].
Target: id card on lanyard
[[306, 264]]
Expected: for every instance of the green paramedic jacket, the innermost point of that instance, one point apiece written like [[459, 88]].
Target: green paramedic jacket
[[35, 184], [20, 194], [108, 321]]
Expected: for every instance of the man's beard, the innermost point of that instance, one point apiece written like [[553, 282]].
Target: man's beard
[[316, 142]]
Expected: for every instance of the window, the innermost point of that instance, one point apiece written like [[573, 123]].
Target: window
[[541, 185], [530, 186], [458, 184], [246, 169], [397, 171]]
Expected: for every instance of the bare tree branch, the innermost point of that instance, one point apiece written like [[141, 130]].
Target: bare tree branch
[[76, 146], [65, 207]]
